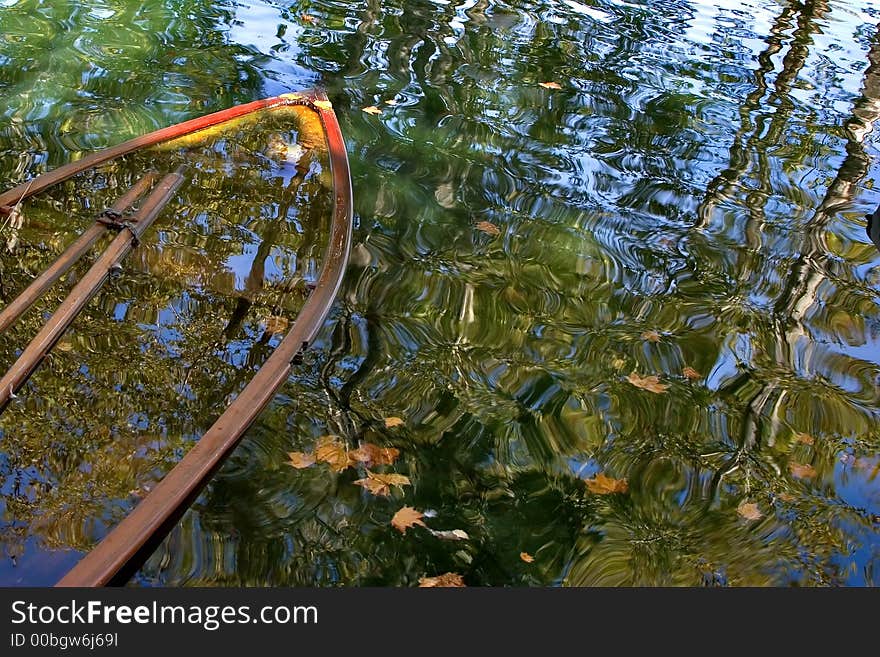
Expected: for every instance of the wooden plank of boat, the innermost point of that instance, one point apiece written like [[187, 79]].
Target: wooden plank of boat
[[125, 548]]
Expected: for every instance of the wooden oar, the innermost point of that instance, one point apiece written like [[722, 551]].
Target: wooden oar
[[86, 288], [10, 314]]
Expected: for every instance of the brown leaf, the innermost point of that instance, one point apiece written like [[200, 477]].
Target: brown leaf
[[380, 484], [802, 471], [804, 438], [276, 324], [651, 336], [786, 497], [391, 422], [602, 485], [550, 85], [650, 383], [691, 373], [372, 109], [374, 455], [446, 579], [488, 227], [333, 453], [311, 20], [749, 511], [525, 556], [407, 517], [300, 460]]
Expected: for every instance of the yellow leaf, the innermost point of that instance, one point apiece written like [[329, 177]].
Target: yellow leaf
[[325, 105], [525, 556], [300, 460], [804, 438], [446, 579], [391, 101], [651, 336], [488, 227], [276, 324], [749, 511], [691, 373], [407, 517], [374, 455], [650, 383], [802, 471], [372, 109], [550, 85], [380, 484], [602, 485], [333, 453], [391, 422]]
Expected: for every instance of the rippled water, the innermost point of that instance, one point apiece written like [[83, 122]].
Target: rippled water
[[693, 196]]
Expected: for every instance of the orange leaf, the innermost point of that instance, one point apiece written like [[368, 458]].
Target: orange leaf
[[300, 460], [602, 485], [550, 85], [651, 336], [488, 227], [804, 438], [372, 109], [525, 556], [407, 517], [391, 422], [749, 511], [446, 579], [650, 383], [374, 455], [380, 484], [311, 20], [691, 373], [333, 453], [802, 471]]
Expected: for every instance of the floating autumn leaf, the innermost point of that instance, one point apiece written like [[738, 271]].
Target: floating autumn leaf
[[276, 324], [372, 109], [802, 471], [300, 460], [380, 484], [749, 511], [691, 373], [602, 485], [374, 455], [804, 438], [311, 20], [525, 556], [333, 453], [325, 105], [391, 101], [550, 85], [650, 383], [446, 579], [488, 227], [651, 336], [450, 534], [391, 422], [406, 517]]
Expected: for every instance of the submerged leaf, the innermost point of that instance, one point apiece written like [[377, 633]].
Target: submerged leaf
[[380, 484], [300, 460], [650, 383], [804, 438], [602, 485], [333, 453], [550, 85], [391, 422], [691, 373], [802, 471], [371, 454], [446, 579], [651, 336], [749, 511], [488, 227], [276, 324], [407, 517], [372, 109]]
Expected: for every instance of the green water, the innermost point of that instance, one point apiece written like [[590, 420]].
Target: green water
[[693, 196]]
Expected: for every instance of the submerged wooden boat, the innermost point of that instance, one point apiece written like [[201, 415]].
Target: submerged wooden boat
[[309, 118]]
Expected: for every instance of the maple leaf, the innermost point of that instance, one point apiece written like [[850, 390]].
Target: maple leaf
[[804, 438], [391, 422], [446, 579], [374, 455], [602, 485], [488, 227], [407, 517], [380, 484], [450, 534], [650, 383], [525, 556], [550, 85], [691, 373], [300, 460], [749, 511], [372, 109], [333, 453], [651, 336], [802, 471]]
